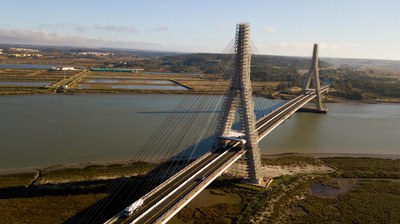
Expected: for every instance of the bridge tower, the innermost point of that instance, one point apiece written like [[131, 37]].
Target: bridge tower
[[239, 98], [313, 74]]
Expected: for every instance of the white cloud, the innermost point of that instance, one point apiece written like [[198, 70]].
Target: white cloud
[[269, 29], [113, 28], [161, 29], [53, 26], [37, 37], [308, 45], [326, 49], [23, 36], [81, 28]]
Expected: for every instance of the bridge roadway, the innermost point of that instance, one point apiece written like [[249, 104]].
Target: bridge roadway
[[166, 200], [272, 120]]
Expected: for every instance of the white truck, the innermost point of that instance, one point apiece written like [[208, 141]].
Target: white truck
[[133, 207], [234, 136]]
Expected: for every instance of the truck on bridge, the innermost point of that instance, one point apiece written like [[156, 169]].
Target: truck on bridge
[[233, 139], [133, 207]]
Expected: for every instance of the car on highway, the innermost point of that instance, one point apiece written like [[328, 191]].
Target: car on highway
[[201, 179]]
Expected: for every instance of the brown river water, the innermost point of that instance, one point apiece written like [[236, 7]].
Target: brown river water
[[43, 130]]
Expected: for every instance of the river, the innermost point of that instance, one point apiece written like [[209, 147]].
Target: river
[[25, 66], [43, 130]]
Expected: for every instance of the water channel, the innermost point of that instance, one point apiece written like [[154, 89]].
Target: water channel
[[44, 130]]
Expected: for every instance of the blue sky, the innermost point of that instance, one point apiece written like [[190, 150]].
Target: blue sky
[[343, 28]]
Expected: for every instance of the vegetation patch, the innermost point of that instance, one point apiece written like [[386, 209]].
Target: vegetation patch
[[221, 212], [94, 172], [287, 200], [365, 167], [301, 161], [45, 209], [16, 180], [373, 201]]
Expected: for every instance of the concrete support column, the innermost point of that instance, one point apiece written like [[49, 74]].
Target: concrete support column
[[240, 98], [313, 74]]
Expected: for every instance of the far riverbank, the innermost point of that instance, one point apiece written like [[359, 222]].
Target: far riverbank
[[21, 91]]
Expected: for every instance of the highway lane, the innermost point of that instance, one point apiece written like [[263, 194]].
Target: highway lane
[[149, 202], [273, 113], [267, 117], [273, 119], [180, 194]]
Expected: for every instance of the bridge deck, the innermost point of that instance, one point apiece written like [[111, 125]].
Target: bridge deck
[[270, 121], [166, 201]]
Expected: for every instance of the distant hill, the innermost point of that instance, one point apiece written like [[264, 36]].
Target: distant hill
[[69, 49], [207, 62], [367, 63]]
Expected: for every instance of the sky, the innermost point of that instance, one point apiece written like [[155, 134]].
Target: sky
[[343, 28]]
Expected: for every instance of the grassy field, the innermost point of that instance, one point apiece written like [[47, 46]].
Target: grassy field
[[370, 201], [372, 197], [292, 161], [16, 180], [365, 167], [94, 172], [221, 212], [45, 209], [61, 195]]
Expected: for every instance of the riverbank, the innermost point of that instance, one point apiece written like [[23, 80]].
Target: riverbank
[[106, 163], [13, 91], [295, 191], [272, 166]]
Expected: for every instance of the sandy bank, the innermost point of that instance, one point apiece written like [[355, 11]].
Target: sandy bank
[[272, 169]]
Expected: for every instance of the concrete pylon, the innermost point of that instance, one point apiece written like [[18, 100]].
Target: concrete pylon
[[313, 74], [239, 98]]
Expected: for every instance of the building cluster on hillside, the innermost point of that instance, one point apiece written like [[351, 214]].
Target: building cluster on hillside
[[19, 52], [27, 50], [24, 55], [95, 53]]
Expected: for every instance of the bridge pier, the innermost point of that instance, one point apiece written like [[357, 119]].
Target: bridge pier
[[239, 97], [313, 74]]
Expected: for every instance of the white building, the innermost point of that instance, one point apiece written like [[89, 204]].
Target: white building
[[63, 69], [68, 68]]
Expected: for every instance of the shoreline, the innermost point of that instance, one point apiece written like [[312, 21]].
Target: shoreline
[[171, 92], [61, 166], [330, 155], [82, 165]]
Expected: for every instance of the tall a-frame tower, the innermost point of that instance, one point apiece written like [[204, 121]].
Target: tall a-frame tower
[[313, 74], [239, 97]]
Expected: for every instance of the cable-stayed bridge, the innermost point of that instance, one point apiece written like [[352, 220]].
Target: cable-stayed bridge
[[160, 203]]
